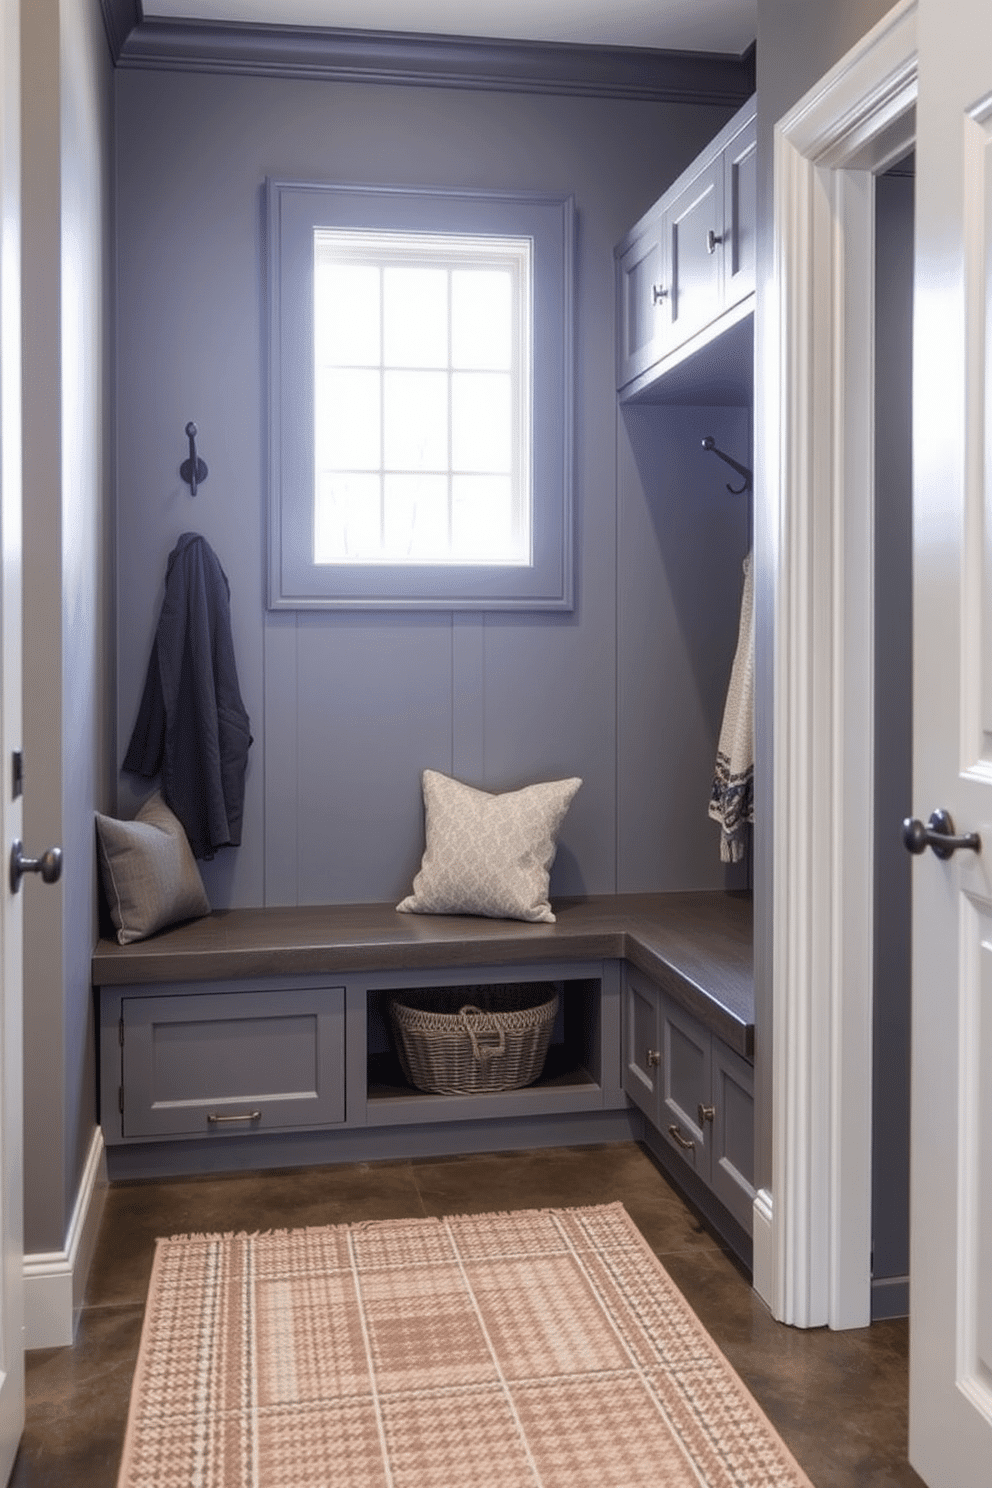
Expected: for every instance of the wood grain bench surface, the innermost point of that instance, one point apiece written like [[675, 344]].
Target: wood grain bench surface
[[696, 946]]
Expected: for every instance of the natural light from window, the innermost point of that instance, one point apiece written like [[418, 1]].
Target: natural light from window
[[422, 398]]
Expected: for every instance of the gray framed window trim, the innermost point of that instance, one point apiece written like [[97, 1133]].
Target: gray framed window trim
[[294, 209]]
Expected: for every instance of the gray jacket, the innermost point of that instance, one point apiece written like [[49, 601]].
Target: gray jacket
[[192, 725]]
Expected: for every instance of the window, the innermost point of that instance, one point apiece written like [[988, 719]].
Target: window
[[420, 390]]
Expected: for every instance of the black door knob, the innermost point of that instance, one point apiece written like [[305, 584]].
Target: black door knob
[[49, 865], [938, 834]]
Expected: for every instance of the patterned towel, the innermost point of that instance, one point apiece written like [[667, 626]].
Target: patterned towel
[[732, 798]]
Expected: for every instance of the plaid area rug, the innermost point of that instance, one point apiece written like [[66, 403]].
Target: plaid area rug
[[542, 1348]]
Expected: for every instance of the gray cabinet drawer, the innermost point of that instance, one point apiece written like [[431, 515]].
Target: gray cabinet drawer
[[223, 1063]]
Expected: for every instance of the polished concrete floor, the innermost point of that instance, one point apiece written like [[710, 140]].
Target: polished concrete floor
[[838, 1399]]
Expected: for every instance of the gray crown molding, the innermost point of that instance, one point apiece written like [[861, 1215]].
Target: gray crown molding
[[120, 18], [427, 61]]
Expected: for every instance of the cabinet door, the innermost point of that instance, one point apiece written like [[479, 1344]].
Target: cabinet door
[[642, 1046], [732, 1160], [686, 1084], [219, 1064], [740, 214], [643, 303], [694, 222]]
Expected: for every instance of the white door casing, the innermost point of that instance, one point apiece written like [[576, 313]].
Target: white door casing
[[11, 1043], [814, 1226], [951, 1166], [812, 1259]]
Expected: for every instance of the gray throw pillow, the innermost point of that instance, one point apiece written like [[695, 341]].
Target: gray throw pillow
[[149, 873], [489, 854]]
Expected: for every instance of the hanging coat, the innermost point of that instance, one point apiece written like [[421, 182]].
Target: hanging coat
[[192, 725]]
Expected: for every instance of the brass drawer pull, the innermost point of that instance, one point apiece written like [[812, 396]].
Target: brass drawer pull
[[682, 1141], [215, 1119]]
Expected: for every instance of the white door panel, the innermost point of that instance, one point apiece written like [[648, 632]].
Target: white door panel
[[951, 1249], [11, 1043]]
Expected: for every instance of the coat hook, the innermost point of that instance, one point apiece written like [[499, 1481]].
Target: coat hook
[[709, 443], [194, 470]]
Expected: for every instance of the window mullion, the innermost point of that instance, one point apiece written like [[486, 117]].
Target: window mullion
[[451, 415], [382, 407]]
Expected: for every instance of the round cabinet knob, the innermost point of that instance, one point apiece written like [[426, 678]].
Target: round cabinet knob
[[49, 865]]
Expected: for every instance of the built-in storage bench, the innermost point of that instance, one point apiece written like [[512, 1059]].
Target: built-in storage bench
[[258, 1038]]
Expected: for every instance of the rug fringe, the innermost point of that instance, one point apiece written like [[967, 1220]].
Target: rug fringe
[[414, 1220]]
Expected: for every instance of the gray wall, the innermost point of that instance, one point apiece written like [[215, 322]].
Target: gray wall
[[347, 709], [68, 580], [894, 194], [798, 43]]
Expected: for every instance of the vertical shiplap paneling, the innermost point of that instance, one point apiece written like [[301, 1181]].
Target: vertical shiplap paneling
[[468, 696], [190, 335], [683, 538], [501, 700], [374, 710], [281, 724]]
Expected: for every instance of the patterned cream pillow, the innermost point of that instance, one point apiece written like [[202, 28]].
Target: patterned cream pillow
[[489, 855]]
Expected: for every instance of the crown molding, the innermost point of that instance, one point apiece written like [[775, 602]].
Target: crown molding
[[425, 60], [119, 18]]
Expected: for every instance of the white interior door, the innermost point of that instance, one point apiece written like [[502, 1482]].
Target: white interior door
[[11, 1042], [951, 1245]]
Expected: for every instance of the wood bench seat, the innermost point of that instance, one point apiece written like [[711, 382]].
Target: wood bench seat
[[696, 946]]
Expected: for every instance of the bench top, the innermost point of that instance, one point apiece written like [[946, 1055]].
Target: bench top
[[696, 946]]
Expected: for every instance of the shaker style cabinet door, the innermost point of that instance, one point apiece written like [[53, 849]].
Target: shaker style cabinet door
[[644, 315], [695, 242], [686, 1088], [732, 1136], [642, 1045], [740, 185]]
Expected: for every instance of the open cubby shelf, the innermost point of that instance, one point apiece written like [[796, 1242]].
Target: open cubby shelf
[[571, 1069]]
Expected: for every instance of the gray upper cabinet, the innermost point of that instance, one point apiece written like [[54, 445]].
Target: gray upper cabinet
[[685, 271]]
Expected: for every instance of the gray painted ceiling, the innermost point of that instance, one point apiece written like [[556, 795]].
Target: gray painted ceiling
[[727, 26]]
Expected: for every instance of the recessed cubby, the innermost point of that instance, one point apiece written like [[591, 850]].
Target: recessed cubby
[[571, 1077]]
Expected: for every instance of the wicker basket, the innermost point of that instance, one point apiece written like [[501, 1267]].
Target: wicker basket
[[468, 1040]]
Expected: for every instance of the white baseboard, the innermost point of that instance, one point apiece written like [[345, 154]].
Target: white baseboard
[[54, 1280], [763, 1264]]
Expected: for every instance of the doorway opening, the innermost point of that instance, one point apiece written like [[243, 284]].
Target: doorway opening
[[893, 729]]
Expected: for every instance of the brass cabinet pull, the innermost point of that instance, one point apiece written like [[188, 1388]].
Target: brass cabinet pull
[[215, 1119], [706, 1113], [658, 293], [653, 1058], [682, 1141]]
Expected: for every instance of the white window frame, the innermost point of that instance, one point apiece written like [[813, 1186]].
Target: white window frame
[[294, 211]]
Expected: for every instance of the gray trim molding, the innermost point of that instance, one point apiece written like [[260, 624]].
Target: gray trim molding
[[427, 61], [119, 18]]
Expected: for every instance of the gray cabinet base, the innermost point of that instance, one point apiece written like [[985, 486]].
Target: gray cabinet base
[[371, 1144], [699, 1195]]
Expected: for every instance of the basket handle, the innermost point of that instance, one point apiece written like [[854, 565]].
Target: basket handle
[[482, 1052]]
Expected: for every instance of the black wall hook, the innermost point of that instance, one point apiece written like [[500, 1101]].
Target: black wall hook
[[194, 470], [709, 443]]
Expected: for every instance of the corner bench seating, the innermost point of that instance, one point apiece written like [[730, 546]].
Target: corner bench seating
[[697, 946], [259, 1038]]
